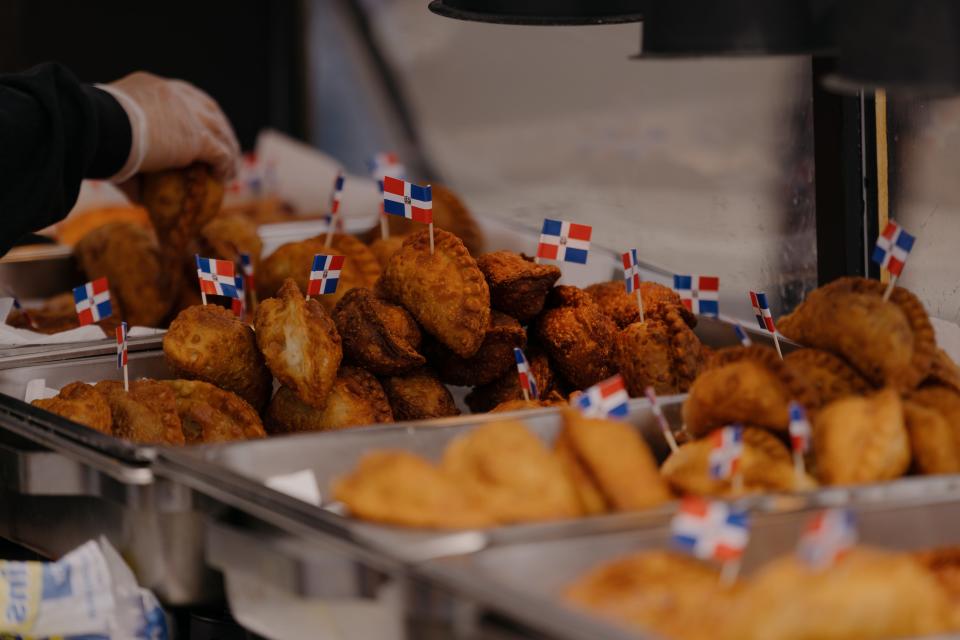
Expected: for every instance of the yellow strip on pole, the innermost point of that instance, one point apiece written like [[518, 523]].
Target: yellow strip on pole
[[883, 194]]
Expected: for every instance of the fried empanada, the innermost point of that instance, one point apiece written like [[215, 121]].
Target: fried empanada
[[227, 236], [449, 214], [142, 282], [666, 592], [396, 487], [591, 498], [492, 360], [356, 400], [300, 344], [867, 593], [552, 400], [81, 403], [377, 335], [180, 202], [943, 372], [295, 259], [577, 337], [749, 385], [663, 353], [828, 376], [765, 466], [445, 291], [622, 308], [891, 343], [419, 395], [934, 442], [518, 286], [944, 564], [509, 465], [618, 461], [147, 414], [58, 313], [209, 414], [506, 388], [209, 343], [861, 439], [384, 248]]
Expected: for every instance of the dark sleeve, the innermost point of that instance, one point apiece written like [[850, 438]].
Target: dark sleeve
[[54, 132]]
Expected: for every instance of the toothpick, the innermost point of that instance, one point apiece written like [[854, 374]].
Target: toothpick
[[776, 343], [431, 238], [329, 239], [730, 572], [126, 379], [640, 303], [661, 419], [203, 296], [890, 286], [738, 482], [799, 468], [526, 394], [384, 226]]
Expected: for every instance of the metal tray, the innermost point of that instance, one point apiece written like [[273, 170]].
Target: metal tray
[[524, 581]]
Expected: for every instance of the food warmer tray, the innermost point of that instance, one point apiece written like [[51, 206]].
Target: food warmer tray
[[524, 581]]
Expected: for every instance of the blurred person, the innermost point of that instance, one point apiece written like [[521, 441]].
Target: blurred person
[[56, 131]]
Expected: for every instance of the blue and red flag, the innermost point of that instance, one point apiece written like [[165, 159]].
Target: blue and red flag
[[246, 266], [726, 452], [607, 399], [631, 270], [711, 530], [217, 277], [828, 536], [92, 301], [699, 294], [407, 200], [385, 163], [564, 241], [324, 274], [761, 309], [800, 431], [893, 247], [527, 381], [122, 345]]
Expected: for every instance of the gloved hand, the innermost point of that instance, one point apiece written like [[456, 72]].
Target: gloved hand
[[174, 124]]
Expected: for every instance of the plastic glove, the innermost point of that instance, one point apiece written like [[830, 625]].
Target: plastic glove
[[174, 124]]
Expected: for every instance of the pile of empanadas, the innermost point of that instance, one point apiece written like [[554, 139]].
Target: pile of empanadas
[[869, 593]]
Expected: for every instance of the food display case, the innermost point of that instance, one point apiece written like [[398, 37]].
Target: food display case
[[749, 166]]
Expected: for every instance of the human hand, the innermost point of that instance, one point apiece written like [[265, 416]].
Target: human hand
[[173, 124]]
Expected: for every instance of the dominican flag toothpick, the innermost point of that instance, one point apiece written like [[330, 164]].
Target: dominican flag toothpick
[[661, 419], [828, 536], [238, 305], [564, 241], [386, 163], [631, 276], [891, 252], [92, 301], [742, 335], [699, 294], [607, 399], [335, 220], [527, 382], [216, 277], [324, 275], [407, 200], [712, 531], [726, 452], [122, 354], [800, 435], [761, 309]]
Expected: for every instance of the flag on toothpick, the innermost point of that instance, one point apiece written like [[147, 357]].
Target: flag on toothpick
[[239, 304], [661, 419], [527, 382], [631, 276], [335, 219], [122, 354], [726, 452], [607, 399], [761, 309], [893, 248], [386, 163], [564, 241], [828, 536], [742, 335], [92, 301], [216, 277], [699, 294], [711, 530], [407, 200], [122, 345], [324, 275], [800, 430]]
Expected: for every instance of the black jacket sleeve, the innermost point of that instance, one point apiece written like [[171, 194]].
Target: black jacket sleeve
[[54, 132]]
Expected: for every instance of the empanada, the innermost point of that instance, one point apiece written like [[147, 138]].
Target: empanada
[[828, 376], [518, 286], [377, 335], [492, 360], [444, 291]]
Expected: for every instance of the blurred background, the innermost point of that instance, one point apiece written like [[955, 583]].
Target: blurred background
[[705, 165]]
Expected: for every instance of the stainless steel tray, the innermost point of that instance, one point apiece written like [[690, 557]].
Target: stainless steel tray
[[524, 581]]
